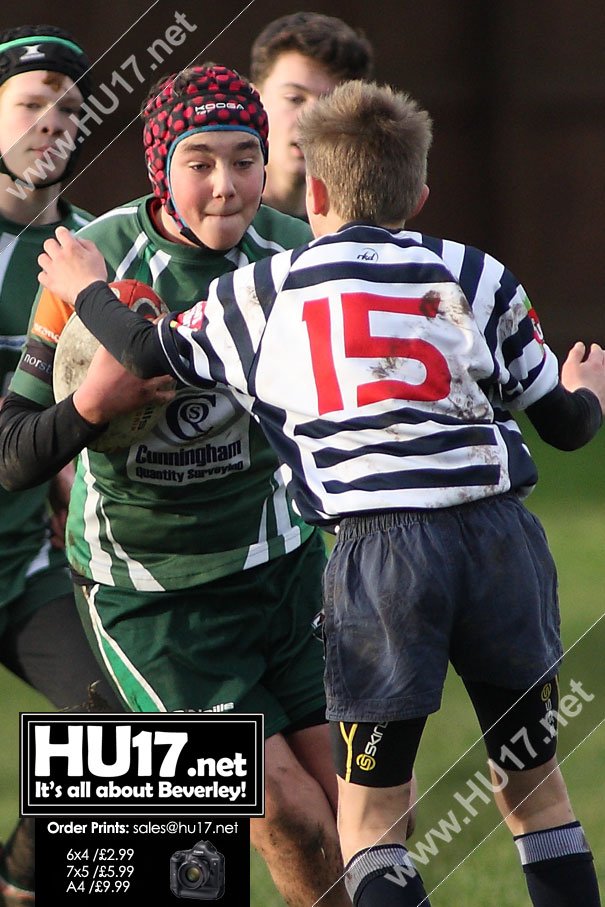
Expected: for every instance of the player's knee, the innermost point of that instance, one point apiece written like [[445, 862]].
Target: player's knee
[[284, 831], [538, 792], [289, 818], [288, 790], [287, 834]]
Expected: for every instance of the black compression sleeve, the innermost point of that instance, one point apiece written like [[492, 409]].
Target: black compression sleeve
[[565, 419], [36, 443], [129, 337]]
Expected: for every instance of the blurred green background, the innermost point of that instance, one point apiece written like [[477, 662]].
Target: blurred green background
[[479, 863]]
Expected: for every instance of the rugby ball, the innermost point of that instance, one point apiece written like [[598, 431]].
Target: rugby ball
[[73, 355]]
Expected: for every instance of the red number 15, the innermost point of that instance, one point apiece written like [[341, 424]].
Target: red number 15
[[359, 343]]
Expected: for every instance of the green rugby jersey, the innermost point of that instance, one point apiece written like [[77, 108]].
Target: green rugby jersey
[[23, 547], [201, 495]]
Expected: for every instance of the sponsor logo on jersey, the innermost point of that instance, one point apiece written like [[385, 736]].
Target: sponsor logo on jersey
[[51, 317], [42, 331], [192, 415], [538, 335], [191, 456], [38, 361], [193, 318], [201, 436]]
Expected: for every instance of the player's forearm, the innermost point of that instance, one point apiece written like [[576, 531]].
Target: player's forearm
[[129, 337], [566, 420], [36, 443]]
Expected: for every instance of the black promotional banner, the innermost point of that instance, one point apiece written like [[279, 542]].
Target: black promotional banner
[[124, 765], [142, 861], [141, 808]]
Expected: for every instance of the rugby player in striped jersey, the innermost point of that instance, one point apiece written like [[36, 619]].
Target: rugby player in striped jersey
[[386, 367]]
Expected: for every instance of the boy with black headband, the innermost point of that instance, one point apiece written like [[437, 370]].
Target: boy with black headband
[[43, 82], [386, 367], [196, 578]]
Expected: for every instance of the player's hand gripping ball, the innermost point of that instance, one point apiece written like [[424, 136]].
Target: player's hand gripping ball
[[74, 353]]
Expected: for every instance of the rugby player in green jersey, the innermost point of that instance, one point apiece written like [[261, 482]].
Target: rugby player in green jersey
[[43, 82], [196, 579]]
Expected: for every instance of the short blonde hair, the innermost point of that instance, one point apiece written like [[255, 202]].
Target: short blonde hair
[[369, 144]]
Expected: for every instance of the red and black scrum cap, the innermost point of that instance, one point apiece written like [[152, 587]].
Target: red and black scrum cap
[[199, 99]]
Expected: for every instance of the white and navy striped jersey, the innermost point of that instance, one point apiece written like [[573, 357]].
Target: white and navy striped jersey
[[382, 367]]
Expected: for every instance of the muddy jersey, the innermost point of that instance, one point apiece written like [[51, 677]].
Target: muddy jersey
[[385, 368], [201, 495], [24, 545]]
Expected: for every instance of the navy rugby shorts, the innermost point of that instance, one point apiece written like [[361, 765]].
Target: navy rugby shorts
[[406, 592]]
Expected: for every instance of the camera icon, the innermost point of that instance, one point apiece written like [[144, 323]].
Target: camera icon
[[198, 873]]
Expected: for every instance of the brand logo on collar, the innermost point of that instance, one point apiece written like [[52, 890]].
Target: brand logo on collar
[[368, 255]]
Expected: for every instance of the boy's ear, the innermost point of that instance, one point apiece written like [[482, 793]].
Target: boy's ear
[[317, 195], [421, 201]]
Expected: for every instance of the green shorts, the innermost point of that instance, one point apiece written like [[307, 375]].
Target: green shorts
[[242, 643]]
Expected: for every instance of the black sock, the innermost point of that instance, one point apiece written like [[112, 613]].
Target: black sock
[[558, 866], [384, 876]]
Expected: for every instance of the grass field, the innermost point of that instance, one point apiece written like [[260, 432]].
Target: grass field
[[478, 864]]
